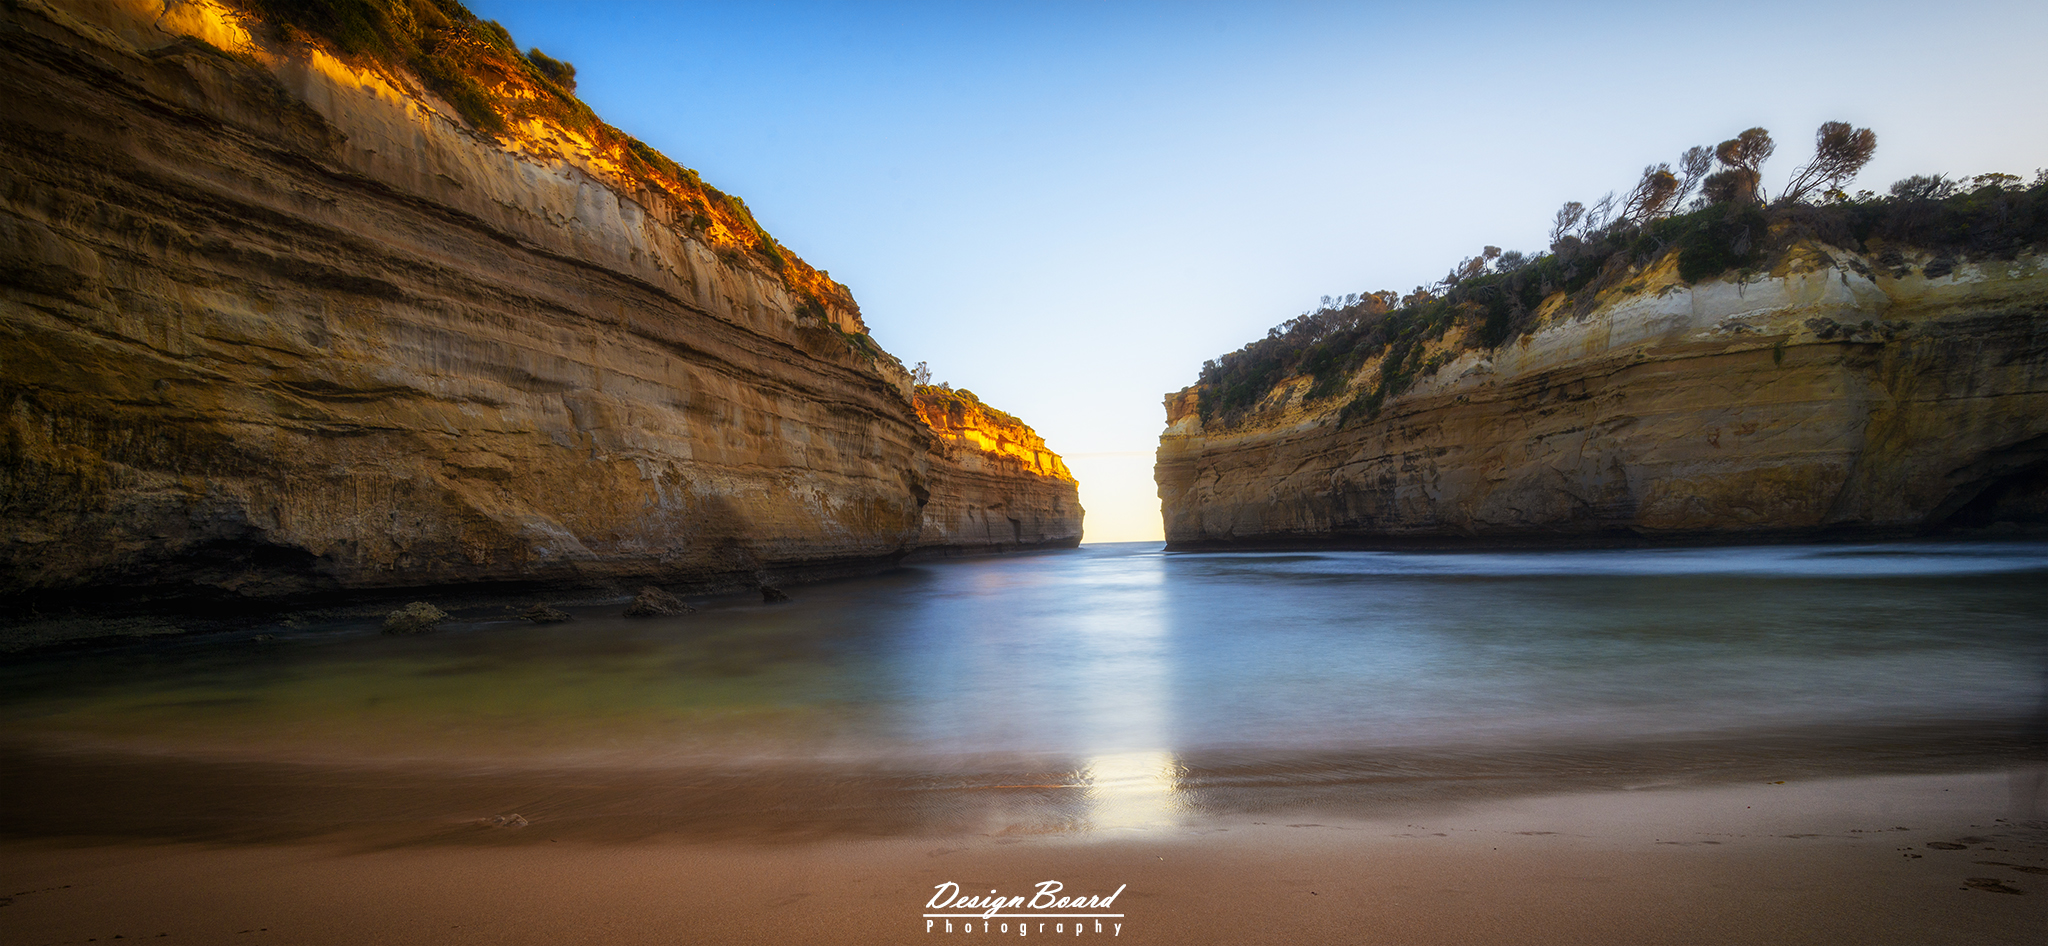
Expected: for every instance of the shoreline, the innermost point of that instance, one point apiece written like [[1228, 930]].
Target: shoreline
[[83, 621], [1919, 859], [1615, 540], [79, 788]]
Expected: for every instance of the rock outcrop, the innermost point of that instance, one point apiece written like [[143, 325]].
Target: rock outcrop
[[1836, 395], [994, 486], [278, 322]]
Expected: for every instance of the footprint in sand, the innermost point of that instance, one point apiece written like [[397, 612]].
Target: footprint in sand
[[2022, 868], [1991, 885]]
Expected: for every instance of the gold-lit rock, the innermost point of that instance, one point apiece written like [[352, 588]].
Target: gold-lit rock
[[277, 322]]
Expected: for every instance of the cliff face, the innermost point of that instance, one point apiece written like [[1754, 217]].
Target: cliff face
[[994, 486], [276, 323], [1835, 395]]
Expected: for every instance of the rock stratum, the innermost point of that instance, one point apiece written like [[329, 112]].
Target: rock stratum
[[995, 487], [278, 321], [1836, 395]]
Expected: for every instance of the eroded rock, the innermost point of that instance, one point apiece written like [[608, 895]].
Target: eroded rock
[[654, 602], [418, 617], [363, 346], [1851, 404], [994, 486]]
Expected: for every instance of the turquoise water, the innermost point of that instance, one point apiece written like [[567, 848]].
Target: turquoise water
[[1161, 682]]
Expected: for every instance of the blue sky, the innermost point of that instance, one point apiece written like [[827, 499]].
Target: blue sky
[[1068, 207]]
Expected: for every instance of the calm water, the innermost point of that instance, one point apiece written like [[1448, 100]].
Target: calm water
[[1113, 685]]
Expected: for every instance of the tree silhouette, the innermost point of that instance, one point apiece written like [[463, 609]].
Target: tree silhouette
[[1839, 151], [1741, 179], [1599, 216], [1567, 220], [1656, 195], [1693, 167]]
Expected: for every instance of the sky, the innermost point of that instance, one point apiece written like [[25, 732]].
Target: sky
[[1068, 207]]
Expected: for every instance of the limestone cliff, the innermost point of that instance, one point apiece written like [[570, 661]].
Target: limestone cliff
[[1833, 395], [994, 487], [279, 320]]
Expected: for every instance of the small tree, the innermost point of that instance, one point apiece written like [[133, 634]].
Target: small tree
[[1472, 267], [1656, 195], [1599, 216], [921, 375], [1924, 187], [1995, 180], [1693, 167], [1741, 179], [554, 70], [1567, 221], [1839, 151]]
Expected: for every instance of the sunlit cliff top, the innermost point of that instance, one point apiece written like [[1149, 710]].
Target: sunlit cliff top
[[526, 102], [959, 416]]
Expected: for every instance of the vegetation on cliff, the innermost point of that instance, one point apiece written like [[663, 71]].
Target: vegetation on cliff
[[1730, 225], [958, 401], [474, 66], [956, 413]]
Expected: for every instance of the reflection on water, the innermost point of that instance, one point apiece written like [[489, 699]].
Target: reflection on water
[[1134, 790], [1122, 687]]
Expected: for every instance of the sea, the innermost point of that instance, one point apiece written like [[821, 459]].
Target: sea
[[1097, 692]]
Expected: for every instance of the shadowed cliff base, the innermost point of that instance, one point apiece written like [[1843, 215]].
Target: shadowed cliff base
[[112, 616], [1620, 539]]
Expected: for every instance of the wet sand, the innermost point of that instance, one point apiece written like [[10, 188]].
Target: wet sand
[[1753, 746], [1902, 859]]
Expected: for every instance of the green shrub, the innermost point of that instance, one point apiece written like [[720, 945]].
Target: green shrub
[[1714, 240], [1994, 215], [554, 70]]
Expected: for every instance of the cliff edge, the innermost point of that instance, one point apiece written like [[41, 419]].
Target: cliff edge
[[995, 487], [1839, 393], [282, 319]]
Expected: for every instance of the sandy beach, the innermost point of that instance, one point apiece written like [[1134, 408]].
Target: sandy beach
[[1845, 751], [1910, 859]]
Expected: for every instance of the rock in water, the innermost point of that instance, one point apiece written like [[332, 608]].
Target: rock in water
[[654, 602], [542, 614], [418, 617], [772, 595]]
